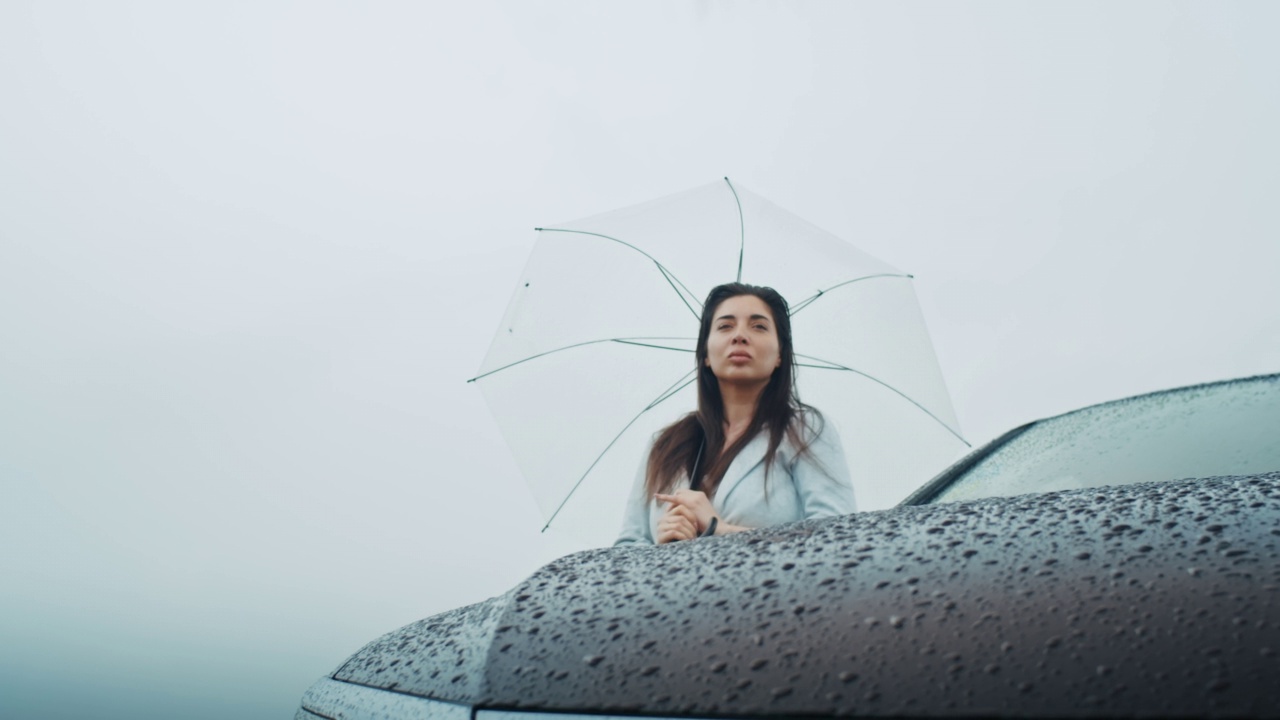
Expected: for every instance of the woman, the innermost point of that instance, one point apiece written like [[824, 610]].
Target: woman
[[752, 454]]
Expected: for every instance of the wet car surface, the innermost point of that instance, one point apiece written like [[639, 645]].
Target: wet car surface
[[1152, 598]]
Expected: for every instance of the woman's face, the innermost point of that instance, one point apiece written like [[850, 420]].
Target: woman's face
[[743, 345]]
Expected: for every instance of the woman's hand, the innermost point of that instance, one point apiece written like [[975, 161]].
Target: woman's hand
[[678, 524], [696, 502]]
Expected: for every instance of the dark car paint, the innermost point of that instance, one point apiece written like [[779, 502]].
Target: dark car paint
[[1150, 599]]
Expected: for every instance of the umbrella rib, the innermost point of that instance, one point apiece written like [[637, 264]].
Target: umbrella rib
[[742, 228], [836, 366], [672, 280], [675, 388], [623, 341], [819, 367], [809, 300], [649, 345]]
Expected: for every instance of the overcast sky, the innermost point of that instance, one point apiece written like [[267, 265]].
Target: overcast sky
[[251, 251]]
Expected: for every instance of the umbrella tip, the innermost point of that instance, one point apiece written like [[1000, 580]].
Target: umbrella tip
[[538, 229]]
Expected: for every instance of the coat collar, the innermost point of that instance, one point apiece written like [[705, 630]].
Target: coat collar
[[746, 461]]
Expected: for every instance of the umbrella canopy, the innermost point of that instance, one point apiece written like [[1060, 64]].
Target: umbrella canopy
[[595, 351]]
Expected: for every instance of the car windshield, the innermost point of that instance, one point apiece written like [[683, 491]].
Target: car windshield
[[1228, 428]]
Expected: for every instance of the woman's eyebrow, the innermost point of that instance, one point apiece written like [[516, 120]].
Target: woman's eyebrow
[[734, 318]]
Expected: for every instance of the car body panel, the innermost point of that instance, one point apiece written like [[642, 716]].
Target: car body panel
[[1155, 598], [330, 699]]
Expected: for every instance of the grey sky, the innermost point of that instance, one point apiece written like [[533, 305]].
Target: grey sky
[[250, 252]]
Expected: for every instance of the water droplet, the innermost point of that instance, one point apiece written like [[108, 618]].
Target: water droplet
[[1218, 685]]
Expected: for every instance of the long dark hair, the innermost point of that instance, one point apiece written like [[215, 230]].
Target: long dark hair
[[694, 444]]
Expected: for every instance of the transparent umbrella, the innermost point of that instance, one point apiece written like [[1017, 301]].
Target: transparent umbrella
[[595, 351]]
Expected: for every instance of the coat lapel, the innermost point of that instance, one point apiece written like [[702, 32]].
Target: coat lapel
[[746, 461]]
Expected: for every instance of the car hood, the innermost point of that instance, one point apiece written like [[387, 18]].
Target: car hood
[[1156, 598]]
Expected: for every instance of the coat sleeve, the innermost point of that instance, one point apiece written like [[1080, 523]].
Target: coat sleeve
[[823, 481], [635, 520]]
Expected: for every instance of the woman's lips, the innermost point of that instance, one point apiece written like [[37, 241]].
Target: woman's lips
[[739, 356]]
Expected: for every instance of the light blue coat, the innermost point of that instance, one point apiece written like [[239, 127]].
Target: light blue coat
[[797, 489]]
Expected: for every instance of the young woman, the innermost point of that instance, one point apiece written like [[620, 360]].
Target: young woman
[[752, 455]]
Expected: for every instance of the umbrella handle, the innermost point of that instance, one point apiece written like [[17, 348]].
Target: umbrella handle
[[694, 481]]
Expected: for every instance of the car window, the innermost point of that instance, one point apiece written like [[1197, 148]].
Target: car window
[[1229, 428]]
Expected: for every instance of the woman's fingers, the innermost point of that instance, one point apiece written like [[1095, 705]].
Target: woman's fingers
[[684, 512], [684, 530], [693, 498], [686, 525], [674, 526], [684, 519], [679, 522], [666, 531], [673, 535], [692, 503]]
